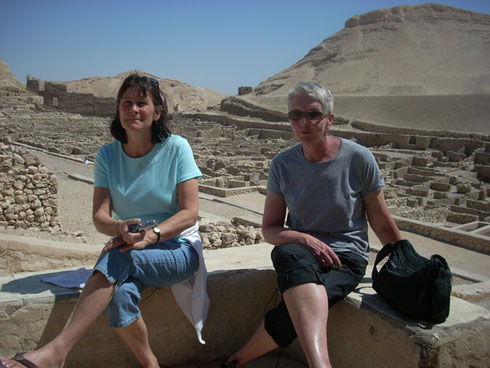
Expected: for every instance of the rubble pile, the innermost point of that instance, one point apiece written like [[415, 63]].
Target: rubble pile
[[225, 235], [28, 191]]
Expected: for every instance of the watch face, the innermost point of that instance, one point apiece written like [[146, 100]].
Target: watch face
[[156, 229]]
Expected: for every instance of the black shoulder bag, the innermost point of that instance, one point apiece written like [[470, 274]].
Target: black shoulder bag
[[419, 287]]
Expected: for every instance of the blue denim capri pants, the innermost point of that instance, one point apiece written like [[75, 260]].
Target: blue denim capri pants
[[158, 265]]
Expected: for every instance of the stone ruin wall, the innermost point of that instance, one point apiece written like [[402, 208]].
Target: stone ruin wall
[[56, 95], [28, 191]]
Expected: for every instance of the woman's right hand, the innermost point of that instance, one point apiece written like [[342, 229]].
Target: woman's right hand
[[323, 254], [124, 237], [122, 227]]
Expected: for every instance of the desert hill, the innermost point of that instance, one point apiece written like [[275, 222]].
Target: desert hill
[[182, 96], [425, 49], [414, 66]]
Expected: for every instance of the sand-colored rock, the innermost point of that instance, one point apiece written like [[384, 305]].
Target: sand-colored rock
[[427, 49]]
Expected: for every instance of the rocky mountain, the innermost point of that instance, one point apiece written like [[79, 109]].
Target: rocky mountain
[[427, 49]]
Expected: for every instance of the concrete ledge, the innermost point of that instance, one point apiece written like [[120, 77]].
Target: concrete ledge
[[23, 254], [364, 331], [238, 299]]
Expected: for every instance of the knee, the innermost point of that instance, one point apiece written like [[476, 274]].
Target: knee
[[126, 296], [288, 255]]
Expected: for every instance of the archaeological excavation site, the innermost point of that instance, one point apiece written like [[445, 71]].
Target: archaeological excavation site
[[432, 147]]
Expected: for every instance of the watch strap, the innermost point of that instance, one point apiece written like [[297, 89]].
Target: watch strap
[[156, 230]]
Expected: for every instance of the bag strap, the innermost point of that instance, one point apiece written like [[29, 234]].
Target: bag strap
[[436, 258], [385, 251]]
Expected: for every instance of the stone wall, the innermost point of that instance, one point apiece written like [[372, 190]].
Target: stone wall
[[236, 106], [28, 191], [56, 95], [244, 90]]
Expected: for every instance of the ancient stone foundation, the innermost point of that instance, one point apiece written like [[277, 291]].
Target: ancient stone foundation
[[56, 95]]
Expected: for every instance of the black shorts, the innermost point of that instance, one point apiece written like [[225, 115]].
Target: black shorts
[[295, 265]]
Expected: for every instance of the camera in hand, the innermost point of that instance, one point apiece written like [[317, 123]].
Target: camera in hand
[[142, 226]]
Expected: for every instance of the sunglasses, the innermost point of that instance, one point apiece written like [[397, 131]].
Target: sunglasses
[[296, 115], [154, 82]]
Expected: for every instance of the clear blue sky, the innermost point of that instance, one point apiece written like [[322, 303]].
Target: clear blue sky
[[217, 44]]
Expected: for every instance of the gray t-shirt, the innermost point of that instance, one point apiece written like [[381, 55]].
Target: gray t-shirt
[[325, 199]]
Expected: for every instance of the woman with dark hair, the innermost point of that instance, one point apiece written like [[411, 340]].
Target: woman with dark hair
[[145, 174]]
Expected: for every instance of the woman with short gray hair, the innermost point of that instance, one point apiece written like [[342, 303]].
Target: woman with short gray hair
[[329, 187]]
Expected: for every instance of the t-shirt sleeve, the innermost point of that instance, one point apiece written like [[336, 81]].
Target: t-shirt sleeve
[[101, 178], [187, 167], [373, 181], [273, 183]]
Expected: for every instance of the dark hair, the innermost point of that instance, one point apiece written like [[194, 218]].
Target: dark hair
[[150, 87]]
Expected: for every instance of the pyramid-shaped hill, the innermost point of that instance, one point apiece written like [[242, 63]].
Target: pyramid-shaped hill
[[422, 66], [407, 50]]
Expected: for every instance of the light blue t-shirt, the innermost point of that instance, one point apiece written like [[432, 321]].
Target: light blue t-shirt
[[325, 199], [145, 187]]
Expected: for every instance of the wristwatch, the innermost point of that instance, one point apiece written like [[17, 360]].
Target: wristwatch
[[156, 230]]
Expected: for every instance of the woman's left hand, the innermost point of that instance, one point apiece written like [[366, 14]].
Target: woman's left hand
[[142, 240]]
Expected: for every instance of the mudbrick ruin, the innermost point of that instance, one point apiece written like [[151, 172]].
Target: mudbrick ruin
[[432, 176]]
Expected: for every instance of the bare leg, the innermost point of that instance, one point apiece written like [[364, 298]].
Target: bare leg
[[308, 308], [136, 338], [94, 298], [259, 344]]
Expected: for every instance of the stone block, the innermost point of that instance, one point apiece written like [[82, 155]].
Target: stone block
[[478, 205], [422, 142], [418, 191], [440, 195], [483, 172], [482, 158], [416, 178], [399, 172], [455, 156], [463, 188], [461, 218], [443, 187], [237, 183], [420, 161]]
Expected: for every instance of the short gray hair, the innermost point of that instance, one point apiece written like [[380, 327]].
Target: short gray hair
[[314, 90]]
